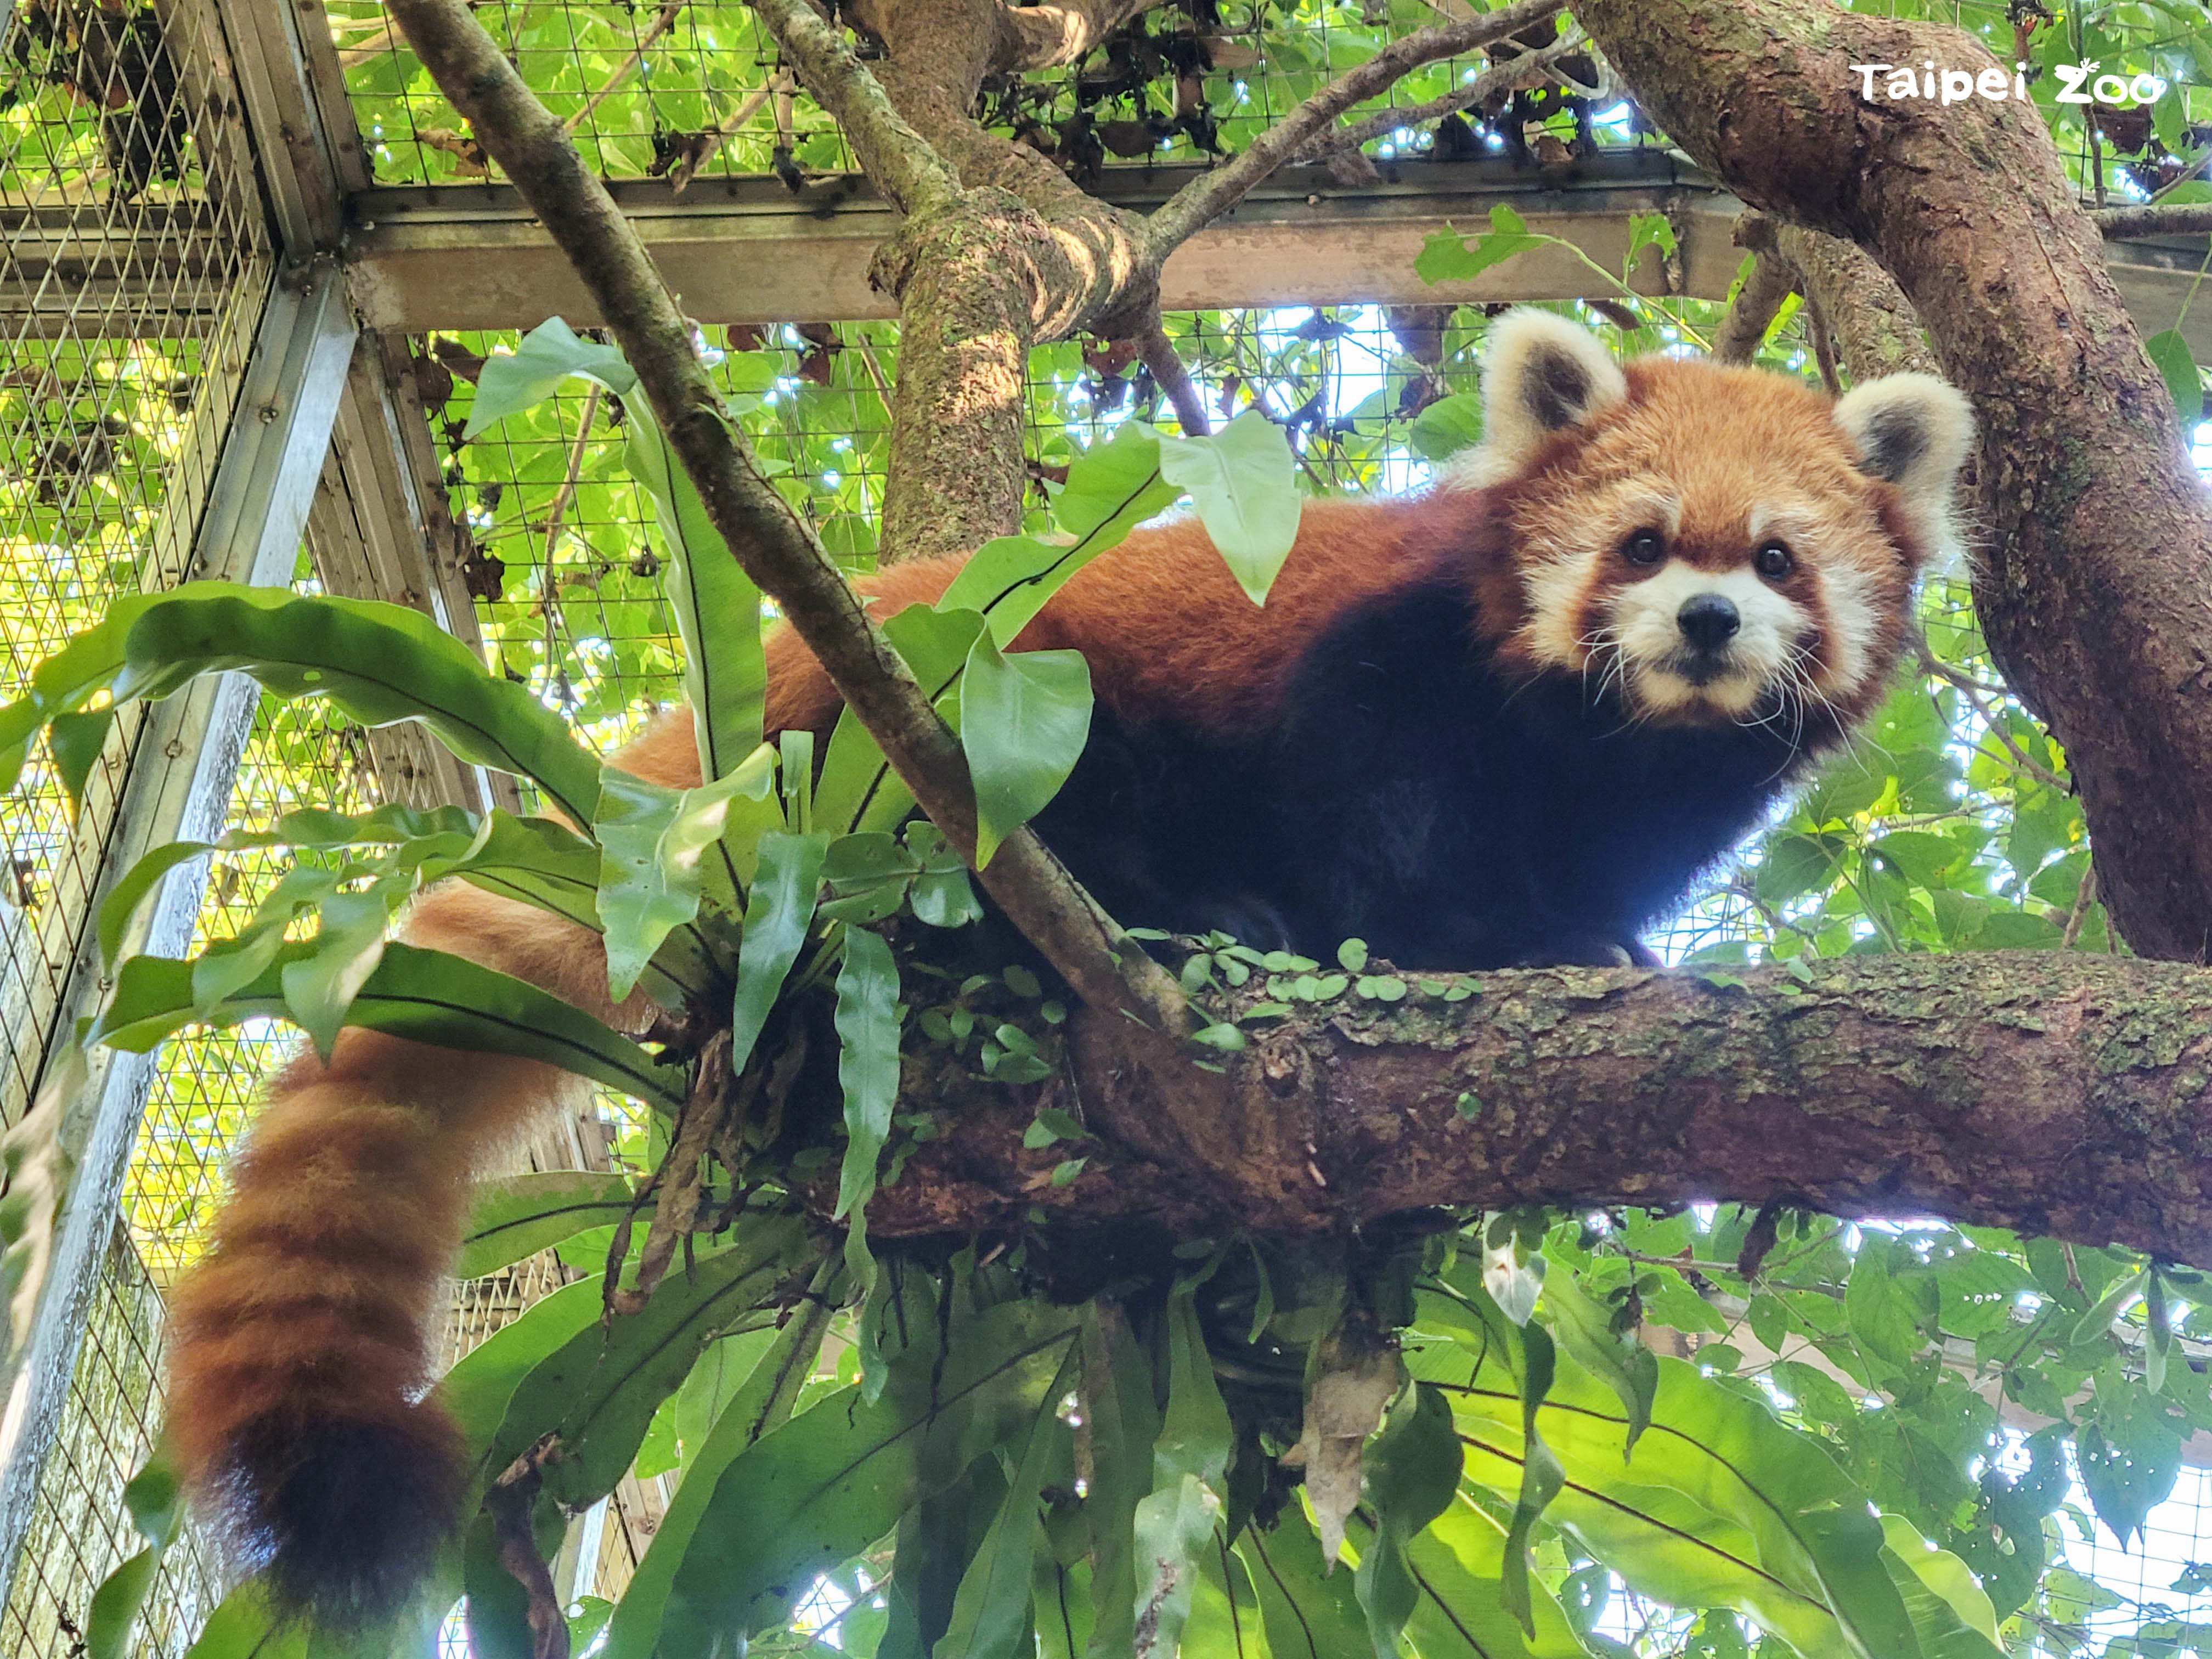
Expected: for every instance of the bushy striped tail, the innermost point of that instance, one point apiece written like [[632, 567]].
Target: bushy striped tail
[[301, 1347]]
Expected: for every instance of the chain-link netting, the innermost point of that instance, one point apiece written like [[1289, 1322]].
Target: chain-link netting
[[134, 263]]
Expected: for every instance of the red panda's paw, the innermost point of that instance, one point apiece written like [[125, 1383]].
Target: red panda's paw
[[345, 1519]]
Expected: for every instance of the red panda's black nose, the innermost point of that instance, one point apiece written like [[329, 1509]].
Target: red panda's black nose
[[1708, 621]]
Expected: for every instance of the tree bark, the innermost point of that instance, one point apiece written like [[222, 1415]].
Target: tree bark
[[762, 531], [1031, 259], [2093, 567], [2061, 1096]]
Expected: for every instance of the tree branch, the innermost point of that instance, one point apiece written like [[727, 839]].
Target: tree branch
[[1771, 280], [1501, 77], [1043, 37], [2156, 219], [903, 164], [2056, 1095], [1876, 331], [1202, 201], [775, 545], [2094, 557], [1018, 256], [1174, 379]]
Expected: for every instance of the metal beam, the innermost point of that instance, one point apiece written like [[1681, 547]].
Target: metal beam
[[288, 81], [381, 529], [177, 788], [746, 250]]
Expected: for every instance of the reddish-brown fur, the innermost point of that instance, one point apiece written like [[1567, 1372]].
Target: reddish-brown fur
[[314, 1305]]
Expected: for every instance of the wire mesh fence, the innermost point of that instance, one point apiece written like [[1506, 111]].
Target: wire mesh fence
[[134, 263]]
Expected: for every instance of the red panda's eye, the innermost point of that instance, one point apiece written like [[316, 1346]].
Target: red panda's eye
[[1644, 547], [1774, 560]]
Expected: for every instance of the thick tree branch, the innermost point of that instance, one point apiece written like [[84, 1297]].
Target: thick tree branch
[[2056, 1094], [2095, 561], [1202, 201], [775, 546], [1005, 252], [1876, 331], [1043, 37]]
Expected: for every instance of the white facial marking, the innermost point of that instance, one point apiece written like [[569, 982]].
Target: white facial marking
[[1852, 619], [1645, 621], [1557, 584]]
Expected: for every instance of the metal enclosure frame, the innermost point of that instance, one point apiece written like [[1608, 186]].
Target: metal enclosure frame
[[330, 447]]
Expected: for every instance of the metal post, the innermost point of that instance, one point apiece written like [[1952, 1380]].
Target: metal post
[[179, 789]]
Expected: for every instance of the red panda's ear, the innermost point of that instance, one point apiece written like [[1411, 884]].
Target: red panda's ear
[[1540, 374], [1912, 431]]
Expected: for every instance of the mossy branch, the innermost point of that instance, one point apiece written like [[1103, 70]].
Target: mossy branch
[[2058, 1094]]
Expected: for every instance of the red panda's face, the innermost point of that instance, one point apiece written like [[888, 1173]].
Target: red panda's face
[[1716, 544]]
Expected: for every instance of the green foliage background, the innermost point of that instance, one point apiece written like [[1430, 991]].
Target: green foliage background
[[1895, 1345]]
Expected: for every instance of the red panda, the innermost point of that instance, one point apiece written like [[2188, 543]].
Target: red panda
[[1504, 720]]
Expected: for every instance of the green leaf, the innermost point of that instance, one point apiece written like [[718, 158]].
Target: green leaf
[[1460, 1613], [1447, 257], [2130, 1457], [2101, 1317], [717, 608], [76, 741], [660, 855], [1025, 717], [1243, 482], [764, 1402], [320, 984], [600, 1389], [1051, 1124], [377, 663], [1177, 1518], [518, 1216], [427, 996], [115, 1605], [1615, 1358], [1542, 1473], [36, 1172], [1412, 1472], [1951, 1616], [1447, 425], [778, 912], [132, 888], [1721, 1506], [2159, 1322], [837, 1477], [1124, 1421], [2170, 351], [867, 1062], [1309, 1613], [510, 382], [152, 1498], [1111, 488], [991, 1612]]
